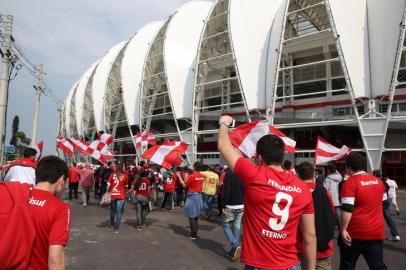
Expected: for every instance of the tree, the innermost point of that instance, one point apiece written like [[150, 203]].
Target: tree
[[14, 130]]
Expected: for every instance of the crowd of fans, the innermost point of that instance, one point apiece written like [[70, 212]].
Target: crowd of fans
[[290, 214]]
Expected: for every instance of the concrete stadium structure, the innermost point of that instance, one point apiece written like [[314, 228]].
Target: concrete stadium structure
[[334, 68]]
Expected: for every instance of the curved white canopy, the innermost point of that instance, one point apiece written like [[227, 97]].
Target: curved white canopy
[[250, 26], [384, 18], [132, 69], [67, 108], [100, 80], [80, 94], [352, 28], [274, 46], [180, 50]]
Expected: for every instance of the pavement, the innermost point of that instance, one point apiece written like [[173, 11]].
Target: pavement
[[165, 242]]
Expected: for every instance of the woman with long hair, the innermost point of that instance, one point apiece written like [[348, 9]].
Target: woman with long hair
[[116, 186], [142, 188]]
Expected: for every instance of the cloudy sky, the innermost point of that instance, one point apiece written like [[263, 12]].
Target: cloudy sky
[[67, 37]]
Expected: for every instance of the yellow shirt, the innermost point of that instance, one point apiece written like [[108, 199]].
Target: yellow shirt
[[211, 182]]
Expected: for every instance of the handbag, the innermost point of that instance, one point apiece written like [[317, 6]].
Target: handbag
[[106, 199]]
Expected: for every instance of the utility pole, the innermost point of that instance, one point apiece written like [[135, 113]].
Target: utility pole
[[6, 54], [38, 91]]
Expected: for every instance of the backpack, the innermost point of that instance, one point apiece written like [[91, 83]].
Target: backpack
[[17, 230], [324, 216]]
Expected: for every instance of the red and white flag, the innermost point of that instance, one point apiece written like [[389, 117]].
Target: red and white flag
[[144, 138], [79, 145], [99, 151], [245, 137], [39, 146], [166, 154], [63, 144], [106, 138], [326, 152]]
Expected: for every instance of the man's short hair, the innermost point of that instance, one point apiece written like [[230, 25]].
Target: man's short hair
[[109, 163], [198, 166], [331, 167], [74, 164], [29, 152], [272, 149], [287, 164], [305, 170], [377, 173], [356, 162], [50, 169]]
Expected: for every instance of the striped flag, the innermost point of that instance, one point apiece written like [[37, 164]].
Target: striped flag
[[39, 146], [79, 145], [326, 152], [106, 138], [63, 144], [166, 154], [245, 137], [144, 138], [100, 151]]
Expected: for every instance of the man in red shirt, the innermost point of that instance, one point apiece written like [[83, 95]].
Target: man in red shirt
[[194, 203], [276, 205], [50, 215], [169, 188], [73, 181], [23, 170], [323, 210], [362, 223]]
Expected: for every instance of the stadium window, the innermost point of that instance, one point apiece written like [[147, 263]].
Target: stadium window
[[402, 107]]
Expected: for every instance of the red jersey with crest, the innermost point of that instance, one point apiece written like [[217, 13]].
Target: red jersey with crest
[[117, 187], [273, 205], [365, 192], [143, 188], [195, 182], [169, 184], [51, 218]]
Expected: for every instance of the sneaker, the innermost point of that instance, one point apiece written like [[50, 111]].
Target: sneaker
[[395, 238], [84, 205], [397, 212], [237, 253], [116, 231], [193, 237], [231, 252], [139, 228]]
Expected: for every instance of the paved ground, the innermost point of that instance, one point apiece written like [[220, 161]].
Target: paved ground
[[164, 243]]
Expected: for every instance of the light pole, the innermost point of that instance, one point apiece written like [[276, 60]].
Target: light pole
[[6, 54], [38, 91]]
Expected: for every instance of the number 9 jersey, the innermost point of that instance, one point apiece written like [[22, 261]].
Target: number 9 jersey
[[273, 205]]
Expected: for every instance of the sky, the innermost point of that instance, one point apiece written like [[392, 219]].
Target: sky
[[67, 37]]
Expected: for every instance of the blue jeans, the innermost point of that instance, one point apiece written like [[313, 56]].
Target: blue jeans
[[208, 201], [296, 267], [389, 221], [116, 209], [232, 225]]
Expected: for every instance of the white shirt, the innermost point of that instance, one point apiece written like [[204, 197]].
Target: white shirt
[[21, 174], [392, 188]]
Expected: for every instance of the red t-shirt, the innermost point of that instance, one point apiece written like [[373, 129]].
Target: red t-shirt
[[273, 205], [195, 182], [366, 193], [51, 218], [320, 254], [73, 174], [117, 187], [143, 188], [169, 184]]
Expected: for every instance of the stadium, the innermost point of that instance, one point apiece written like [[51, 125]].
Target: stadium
[[309, 67]]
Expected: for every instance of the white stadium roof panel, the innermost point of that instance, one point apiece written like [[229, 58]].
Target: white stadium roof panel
[[180, 49], [250, 25], [384, 18], [100, 80], [80, 94], [274, 45], [350, 18], [132, 69], [67, 108]]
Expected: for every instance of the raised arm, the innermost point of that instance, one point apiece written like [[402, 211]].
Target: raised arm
[[224, 143]]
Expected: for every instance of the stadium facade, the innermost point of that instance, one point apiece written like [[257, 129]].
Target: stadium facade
[[334, 68]]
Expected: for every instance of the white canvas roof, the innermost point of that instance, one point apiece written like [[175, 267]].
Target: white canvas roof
[[80, 94], [384, 18], [100, 80], [67, 108], [250, 25], [180, 50], [132, 69]]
